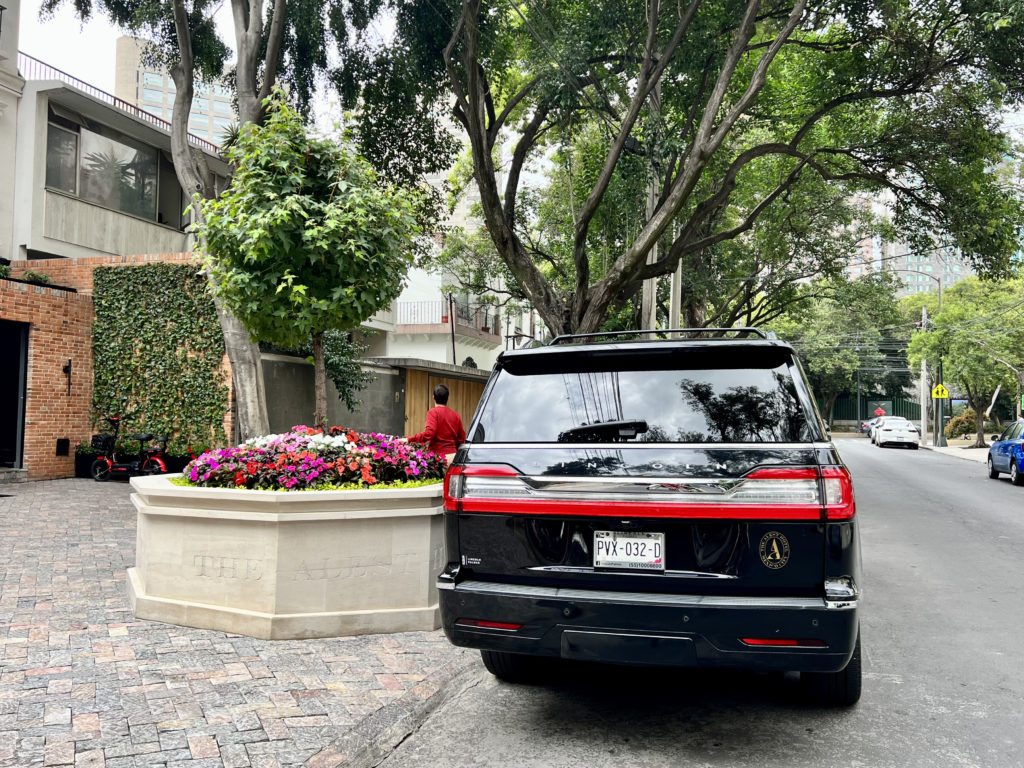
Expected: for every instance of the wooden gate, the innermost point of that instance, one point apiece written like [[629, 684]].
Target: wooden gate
[[463, 396]]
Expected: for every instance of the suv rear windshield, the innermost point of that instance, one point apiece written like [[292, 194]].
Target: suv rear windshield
[[743, 398]]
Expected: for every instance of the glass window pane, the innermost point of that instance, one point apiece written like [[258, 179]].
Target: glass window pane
[[201, 104], [724, 404], [151, 94], [61, 159], [119, 174], [222, 122], [222, 107], [152, 78]]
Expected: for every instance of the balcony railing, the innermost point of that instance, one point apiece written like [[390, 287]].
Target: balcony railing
[[32, 68], [436, 313]]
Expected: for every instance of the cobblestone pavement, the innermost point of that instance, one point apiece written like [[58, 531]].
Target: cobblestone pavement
[[83, 683]]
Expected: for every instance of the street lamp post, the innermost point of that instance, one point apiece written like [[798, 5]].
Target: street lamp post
[[940, 436]]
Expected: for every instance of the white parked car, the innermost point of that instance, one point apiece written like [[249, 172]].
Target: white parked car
[[895, 430]]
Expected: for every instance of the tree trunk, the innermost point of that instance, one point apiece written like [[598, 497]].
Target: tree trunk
[[319, 382], [197, 181], [979, 423], [830, 404]]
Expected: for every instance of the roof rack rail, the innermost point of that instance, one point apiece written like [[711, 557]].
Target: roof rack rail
[[768, 335]]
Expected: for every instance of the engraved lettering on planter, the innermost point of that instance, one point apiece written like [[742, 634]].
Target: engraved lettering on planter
[[358, 568], [214, 567]]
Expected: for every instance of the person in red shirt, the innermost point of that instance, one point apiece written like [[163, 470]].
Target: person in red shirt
[[444, 431]]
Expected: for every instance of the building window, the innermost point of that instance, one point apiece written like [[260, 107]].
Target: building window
[[153, 78], [119, 173], [151, 94], [200, 132], [201, 104], [222, 122], [222, 107], [61, 159]]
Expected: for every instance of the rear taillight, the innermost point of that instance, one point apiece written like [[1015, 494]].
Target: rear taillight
[[491, 481], [838, 493], [778, 486]]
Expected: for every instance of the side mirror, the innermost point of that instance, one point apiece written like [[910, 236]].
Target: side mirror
[[994, 437]]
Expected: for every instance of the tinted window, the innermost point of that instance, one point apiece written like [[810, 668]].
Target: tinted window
[[624, 404], [1018, 430]]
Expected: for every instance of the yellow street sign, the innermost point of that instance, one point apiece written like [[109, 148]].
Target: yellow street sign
[[940, 393]]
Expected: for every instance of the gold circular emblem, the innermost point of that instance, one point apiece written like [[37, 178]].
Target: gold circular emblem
[[774, 550]]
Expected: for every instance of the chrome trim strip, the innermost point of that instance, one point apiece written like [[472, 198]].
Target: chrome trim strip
[[677, 601], [653, 575]]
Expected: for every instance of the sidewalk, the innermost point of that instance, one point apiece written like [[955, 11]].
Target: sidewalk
[[83, 683], [959, 449]]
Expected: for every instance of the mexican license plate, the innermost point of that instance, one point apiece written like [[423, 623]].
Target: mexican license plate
[[632, 550]]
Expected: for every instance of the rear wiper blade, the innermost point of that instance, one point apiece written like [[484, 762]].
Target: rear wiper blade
[[605, 431]]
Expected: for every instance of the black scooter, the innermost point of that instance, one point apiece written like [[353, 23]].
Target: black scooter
[[149, 461]]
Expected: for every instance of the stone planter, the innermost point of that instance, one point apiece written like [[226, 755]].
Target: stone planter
[[285, 565]]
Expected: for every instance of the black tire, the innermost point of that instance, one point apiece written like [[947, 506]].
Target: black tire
[[993, 473], [1016, 477], [835, 689], [152, 468], [511, 667], [914, 446], [100, 471]]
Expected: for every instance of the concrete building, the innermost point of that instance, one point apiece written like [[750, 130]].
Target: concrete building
[[151, 88]]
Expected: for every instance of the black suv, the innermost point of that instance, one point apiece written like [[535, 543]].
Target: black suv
[[671, 502]]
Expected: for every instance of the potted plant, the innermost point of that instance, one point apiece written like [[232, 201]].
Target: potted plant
[[302, 534], [84, 457]]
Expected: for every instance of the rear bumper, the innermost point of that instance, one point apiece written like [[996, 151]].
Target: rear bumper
[[640, 628]]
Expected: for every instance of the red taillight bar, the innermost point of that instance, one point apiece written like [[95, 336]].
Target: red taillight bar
[[784, 641], [843, 509], [488, 624]]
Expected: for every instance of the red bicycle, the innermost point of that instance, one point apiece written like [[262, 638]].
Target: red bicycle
[[149, 461]]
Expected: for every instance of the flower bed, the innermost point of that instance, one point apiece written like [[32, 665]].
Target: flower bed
[[310, 459], [233, 549]]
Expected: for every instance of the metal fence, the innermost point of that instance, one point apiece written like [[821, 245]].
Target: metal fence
[[32, 68], [436, 312]]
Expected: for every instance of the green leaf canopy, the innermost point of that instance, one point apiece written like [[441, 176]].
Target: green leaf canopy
[[307, 238]]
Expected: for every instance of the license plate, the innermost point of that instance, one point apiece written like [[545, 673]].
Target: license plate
[[631, 550]]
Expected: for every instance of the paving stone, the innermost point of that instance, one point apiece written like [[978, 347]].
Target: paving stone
[[83, 682]]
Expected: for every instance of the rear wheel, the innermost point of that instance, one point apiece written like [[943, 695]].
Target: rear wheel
[[993, 473], [100, 471], [511, 667], [835, 689], [1015, 476]]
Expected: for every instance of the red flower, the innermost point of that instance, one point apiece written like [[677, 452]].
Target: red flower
[[239, 478]]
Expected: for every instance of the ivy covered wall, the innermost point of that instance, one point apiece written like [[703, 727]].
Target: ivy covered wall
[[158, 354]]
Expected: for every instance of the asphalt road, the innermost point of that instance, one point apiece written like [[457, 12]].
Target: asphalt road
[[942, 627]]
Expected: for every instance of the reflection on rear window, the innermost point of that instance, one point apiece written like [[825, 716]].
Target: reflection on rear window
[[734, 405]]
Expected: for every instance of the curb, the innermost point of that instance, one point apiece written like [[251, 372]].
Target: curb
[[374, 737], [934, 449]]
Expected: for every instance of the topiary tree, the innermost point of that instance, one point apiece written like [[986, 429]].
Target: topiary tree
[[307, 238]]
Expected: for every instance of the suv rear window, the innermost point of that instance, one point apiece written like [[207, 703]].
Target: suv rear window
[[750, 398]]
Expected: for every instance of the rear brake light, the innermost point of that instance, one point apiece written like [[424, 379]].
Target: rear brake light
[[784, 641], [487, 624], [494, 481], [838, 493], [778, 486]]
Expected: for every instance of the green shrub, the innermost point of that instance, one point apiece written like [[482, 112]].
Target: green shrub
[[962, 424], [36, 277]]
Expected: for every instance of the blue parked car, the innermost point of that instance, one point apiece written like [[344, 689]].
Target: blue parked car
[[1006, 454]]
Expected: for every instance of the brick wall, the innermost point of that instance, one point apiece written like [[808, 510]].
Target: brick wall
[[60, 328], [77, 273]]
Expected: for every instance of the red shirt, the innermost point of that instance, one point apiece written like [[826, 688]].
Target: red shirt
[[444, 430]]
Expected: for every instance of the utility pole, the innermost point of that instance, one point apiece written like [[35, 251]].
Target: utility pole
[[924, 383], [940, 432]]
